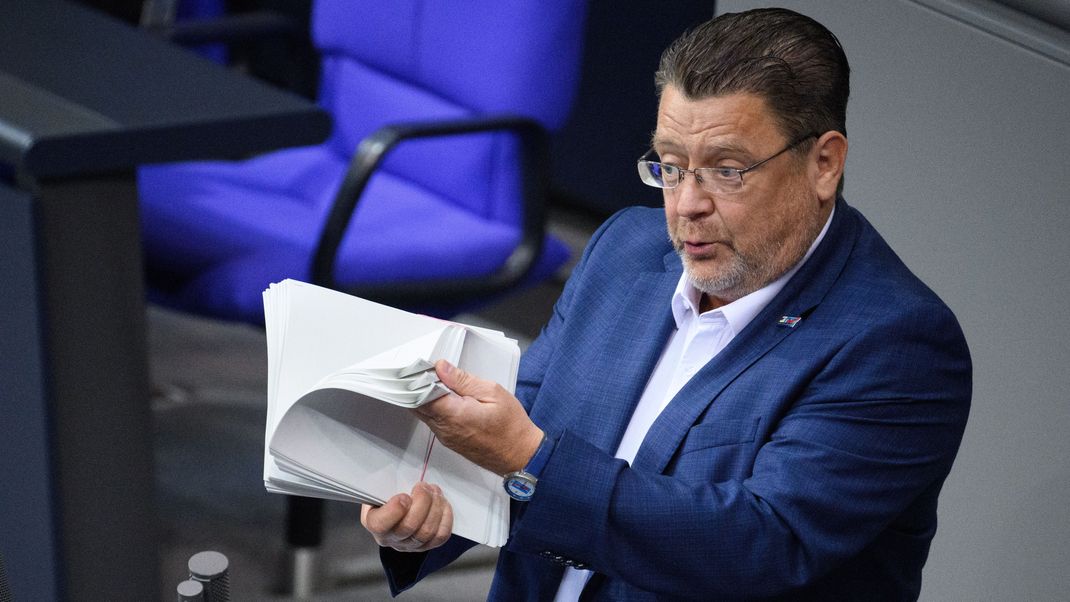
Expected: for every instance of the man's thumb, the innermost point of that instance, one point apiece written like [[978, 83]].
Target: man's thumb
[[453, 377]]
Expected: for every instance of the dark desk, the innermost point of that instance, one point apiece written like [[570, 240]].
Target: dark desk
[[83, 101]]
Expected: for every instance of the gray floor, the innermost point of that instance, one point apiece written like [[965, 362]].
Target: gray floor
[[209, 390]]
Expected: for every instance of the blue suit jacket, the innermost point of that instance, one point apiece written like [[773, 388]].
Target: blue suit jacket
[[801, 463]]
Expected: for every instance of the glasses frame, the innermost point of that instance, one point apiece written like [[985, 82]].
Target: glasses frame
[[698, 171]]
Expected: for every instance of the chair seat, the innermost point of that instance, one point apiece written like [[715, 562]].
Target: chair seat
[[223, 231]]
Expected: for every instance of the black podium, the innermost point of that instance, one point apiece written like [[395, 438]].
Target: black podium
[[83, 100]]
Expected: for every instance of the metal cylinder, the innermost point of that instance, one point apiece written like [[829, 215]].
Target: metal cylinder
[[210, 568], [191, 591]]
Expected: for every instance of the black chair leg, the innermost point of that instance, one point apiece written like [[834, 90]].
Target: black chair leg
[[304, 536]]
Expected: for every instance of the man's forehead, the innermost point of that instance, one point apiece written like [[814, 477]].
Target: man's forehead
[[727, 123]]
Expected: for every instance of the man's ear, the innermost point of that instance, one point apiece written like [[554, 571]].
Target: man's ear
[[828, 155]]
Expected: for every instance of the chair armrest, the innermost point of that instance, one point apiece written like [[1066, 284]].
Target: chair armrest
[[535, 161], [229, 29]]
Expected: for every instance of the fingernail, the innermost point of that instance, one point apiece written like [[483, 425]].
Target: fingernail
[[446, 367], [405, 502]]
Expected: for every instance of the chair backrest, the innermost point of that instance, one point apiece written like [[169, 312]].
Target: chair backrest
[[415, 60]]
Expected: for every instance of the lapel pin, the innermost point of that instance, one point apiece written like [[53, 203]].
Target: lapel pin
[[789, 321]]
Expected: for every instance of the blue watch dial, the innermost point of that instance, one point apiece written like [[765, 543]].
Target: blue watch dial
[[520, 486]]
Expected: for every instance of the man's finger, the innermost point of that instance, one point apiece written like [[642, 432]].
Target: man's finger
[[427, 531], [380, 521], [453, 377], [422, 500], [445, 526], [445, 404]]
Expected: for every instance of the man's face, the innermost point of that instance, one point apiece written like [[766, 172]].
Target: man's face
[[732, 245]]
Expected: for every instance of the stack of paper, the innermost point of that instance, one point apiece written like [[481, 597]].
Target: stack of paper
[[342, 375]]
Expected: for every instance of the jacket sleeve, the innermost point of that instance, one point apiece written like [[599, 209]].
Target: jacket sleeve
[[405, 569], [538, 357]]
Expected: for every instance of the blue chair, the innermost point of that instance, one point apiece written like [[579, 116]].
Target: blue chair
[[447, 107], [441, 115]]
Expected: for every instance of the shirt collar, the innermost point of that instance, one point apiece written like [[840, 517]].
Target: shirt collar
[[739, 313]]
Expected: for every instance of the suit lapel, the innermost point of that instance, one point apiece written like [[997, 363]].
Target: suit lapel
[[798, 298], [645, 322]]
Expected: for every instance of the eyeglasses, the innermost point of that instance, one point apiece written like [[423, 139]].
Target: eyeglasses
[[717, 180]]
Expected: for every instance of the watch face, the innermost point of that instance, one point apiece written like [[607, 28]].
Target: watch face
[[520, 487]]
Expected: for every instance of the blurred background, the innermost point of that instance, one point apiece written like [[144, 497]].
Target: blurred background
[[959, 135]]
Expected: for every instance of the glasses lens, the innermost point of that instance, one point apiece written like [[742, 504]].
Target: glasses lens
[[657, 174], [721, 180]]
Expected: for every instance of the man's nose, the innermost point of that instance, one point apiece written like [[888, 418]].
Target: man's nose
[[692, 200]]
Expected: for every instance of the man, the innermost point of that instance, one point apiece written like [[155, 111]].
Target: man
[[763, 404]]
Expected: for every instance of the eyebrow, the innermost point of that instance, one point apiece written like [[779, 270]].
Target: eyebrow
[[727, 148]]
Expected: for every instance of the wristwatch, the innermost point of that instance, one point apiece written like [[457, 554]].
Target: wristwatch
[[520, 485]]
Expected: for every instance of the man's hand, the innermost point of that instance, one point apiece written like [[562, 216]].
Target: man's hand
[[410, 523], [481, 421]]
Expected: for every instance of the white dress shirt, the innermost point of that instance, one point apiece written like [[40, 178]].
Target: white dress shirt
[[698, 338]]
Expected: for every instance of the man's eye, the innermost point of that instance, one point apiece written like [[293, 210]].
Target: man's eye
[[725, 173]]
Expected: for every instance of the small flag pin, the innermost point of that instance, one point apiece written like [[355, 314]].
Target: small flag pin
[[789, 321]]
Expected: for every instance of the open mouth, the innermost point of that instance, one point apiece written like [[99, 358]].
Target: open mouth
[[700, 248]]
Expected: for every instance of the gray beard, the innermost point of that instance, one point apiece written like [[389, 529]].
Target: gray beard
[[724, 286], [743, 275]]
